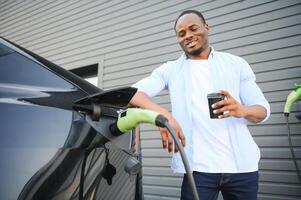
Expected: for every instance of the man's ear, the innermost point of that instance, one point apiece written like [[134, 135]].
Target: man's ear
[[206, 27]]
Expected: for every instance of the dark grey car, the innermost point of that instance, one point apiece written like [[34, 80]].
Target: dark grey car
[[55, 140]]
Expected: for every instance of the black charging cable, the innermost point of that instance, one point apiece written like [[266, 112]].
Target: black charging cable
[[162, 122], [291, 146]]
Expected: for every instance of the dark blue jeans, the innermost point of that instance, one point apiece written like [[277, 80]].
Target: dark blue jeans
[[237, 186]]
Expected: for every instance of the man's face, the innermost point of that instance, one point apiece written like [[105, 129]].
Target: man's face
[[192, 34]]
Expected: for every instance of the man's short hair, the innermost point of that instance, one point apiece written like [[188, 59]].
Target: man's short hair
[[190, 12]]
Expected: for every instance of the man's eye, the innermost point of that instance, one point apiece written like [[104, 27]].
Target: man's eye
[[181, 34]]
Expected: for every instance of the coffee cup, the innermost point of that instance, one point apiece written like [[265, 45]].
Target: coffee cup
[[212, 99]]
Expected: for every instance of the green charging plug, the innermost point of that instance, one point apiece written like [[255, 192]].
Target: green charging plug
[[132, 117], [291, 98]]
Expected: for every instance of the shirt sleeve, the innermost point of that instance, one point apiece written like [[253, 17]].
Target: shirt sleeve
[[250, 93], [155, 83]]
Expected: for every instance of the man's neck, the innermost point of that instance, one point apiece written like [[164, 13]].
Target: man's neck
[[202, 56]]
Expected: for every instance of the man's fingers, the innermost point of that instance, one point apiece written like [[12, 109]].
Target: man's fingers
[[182, 138], [170, 143], [225, 115], [220, 103], [226, 93], [164, 138], [164, 144], [167, 139], [225, 108], [176, 148]]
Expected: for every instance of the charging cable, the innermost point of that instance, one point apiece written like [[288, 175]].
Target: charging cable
[[185, 161], [293, 97], [132, 117], [291, 147]]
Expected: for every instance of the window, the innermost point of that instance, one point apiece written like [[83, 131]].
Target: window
[[18, 69], [5, 50], [89, 73]]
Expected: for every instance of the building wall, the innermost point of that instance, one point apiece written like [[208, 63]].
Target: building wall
[[130, 38]]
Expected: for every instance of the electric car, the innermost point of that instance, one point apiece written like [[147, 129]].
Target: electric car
[[55, 134]]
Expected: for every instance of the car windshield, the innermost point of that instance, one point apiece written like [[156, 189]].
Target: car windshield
[[4, 50]]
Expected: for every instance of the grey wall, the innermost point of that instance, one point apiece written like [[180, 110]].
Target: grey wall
[[131, 38]]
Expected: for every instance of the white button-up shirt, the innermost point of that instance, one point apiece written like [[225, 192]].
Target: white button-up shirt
[[212, 145]]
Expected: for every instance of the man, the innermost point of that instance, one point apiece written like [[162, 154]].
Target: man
[[222, 153]]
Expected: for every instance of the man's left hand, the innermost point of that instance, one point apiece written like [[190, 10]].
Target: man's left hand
[[228, 107]]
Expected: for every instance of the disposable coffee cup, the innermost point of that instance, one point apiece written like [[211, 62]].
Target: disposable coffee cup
[[212, 99]]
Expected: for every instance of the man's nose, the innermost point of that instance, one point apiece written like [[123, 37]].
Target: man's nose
[[188, 35]]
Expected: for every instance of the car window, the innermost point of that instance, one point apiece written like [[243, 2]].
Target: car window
[[5, 50], [18, 69]]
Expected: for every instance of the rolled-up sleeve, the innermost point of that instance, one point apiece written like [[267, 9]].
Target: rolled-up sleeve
[[155, 83], [250, 93]]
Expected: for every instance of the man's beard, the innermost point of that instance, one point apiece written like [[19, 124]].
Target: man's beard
[[197, 51]]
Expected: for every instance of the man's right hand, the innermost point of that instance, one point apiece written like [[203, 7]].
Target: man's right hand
[[141, 100], [167, 140]]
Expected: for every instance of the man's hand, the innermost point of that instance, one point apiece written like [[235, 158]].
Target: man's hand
[[229, 105], [141, 100], [167, 140], [233, 108]]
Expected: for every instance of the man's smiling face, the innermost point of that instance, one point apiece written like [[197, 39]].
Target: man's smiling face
[[192, 34]]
